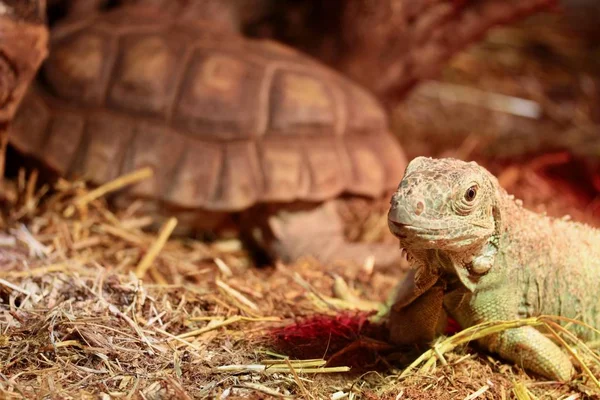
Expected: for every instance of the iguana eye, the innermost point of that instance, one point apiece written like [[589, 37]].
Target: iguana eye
[[471, 193]]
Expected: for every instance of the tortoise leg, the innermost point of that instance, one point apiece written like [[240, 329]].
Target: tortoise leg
[[416, 313], [318, 232]]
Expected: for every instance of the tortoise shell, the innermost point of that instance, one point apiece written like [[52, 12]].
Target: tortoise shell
[[225, 122]]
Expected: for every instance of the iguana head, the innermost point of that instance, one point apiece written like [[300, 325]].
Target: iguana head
[[443, 204], [446, 209]]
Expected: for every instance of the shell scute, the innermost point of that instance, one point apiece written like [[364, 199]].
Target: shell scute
[[283, 165], [145, 75], [157, 147], [28, 130], [62, 144], [369, 177], [364, 114], [240, 184], [218, 97], [325, 161], [301, 104], [79, 66], [197, 176], [103, 148]]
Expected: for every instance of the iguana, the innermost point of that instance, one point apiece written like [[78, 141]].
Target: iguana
[[478, 255]]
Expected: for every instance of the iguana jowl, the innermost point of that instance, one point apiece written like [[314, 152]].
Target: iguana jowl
[[478, 252]]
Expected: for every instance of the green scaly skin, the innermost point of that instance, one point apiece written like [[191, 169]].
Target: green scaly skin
[[495, 259]]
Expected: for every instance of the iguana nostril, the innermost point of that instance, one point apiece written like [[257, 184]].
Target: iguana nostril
[[419, 208]]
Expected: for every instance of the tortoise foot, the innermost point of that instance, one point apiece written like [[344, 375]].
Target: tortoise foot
[[318, 233]]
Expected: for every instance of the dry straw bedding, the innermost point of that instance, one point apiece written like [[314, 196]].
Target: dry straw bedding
[[91, 306]]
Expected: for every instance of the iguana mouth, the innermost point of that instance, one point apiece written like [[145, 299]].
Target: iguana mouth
[[398, 228], [399, 225]]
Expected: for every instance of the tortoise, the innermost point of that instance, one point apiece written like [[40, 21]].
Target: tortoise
[[234, 128]]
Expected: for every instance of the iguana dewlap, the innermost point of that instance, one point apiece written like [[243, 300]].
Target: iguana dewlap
[[491, 259]]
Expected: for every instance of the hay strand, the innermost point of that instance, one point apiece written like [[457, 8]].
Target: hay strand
[[112, 186], [150, 256]]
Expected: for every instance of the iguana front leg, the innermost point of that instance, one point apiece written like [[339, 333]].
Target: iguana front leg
[[413, 311], [525, 346], [416, 313], [529, 348]]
